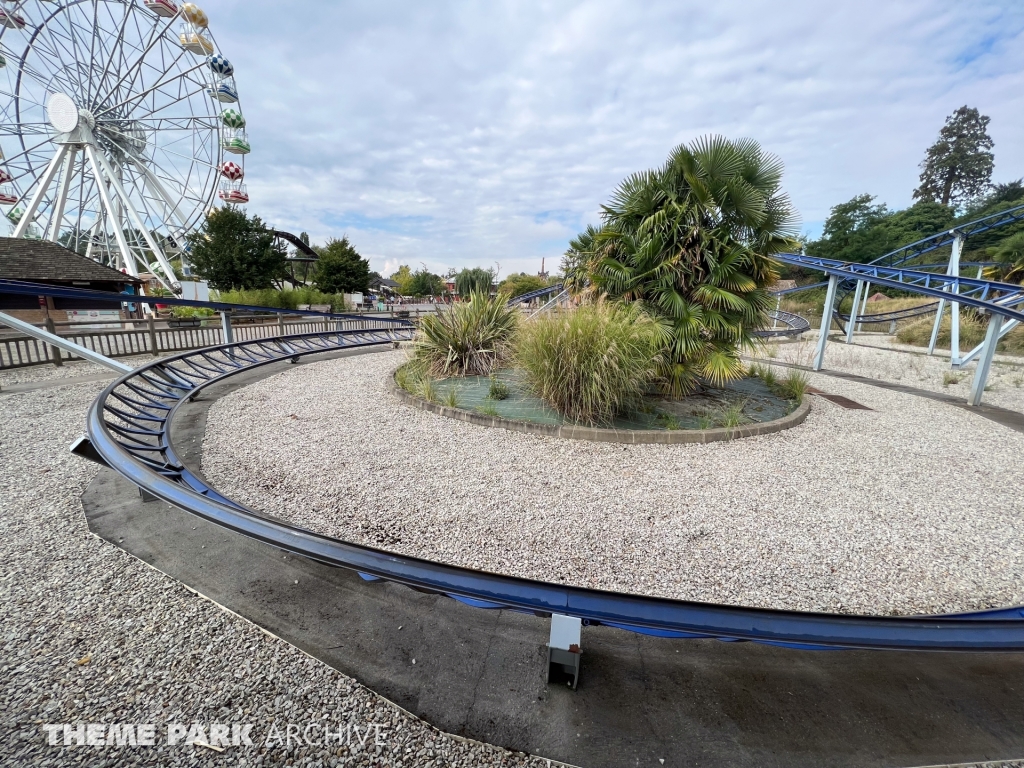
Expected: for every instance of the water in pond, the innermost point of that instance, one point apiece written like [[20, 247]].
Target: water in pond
[[702, 410]]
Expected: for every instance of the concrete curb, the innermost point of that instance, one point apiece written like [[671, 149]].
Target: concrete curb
[[599, 435]]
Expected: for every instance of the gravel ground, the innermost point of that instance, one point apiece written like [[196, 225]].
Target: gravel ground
[[912, 507], [880, 358], [91, 635], [69, 370]]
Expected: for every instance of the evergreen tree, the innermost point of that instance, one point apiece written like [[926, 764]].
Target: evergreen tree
[[958, 167], [340, 268], [233, 251]]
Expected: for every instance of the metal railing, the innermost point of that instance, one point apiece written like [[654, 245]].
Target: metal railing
[[158, 337]]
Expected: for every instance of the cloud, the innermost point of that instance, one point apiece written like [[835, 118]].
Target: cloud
[[467, 134]]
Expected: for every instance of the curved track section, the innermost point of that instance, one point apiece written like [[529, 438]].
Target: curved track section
[[534, 294], [792, 325], [989, 296], [129, 427]]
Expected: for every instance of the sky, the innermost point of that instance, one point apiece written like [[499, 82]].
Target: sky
[[489, 133]]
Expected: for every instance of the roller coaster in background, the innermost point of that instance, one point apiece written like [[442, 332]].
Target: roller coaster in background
[[956, 238]]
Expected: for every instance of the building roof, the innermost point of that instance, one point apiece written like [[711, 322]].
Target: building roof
[[383, 281], [39, 261]]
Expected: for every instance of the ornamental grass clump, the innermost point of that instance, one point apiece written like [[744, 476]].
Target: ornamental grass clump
[[472, 338], [592, 363]]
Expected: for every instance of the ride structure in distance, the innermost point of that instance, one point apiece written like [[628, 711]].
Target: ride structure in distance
[[116, 117]]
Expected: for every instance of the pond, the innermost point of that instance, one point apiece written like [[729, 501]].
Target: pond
[[745, 401]]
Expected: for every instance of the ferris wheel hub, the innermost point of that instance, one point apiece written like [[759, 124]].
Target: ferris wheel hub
[[62, 112], [87, 117]]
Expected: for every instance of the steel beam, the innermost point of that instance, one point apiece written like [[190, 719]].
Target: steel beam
[[1008, 326], [68, 346], [853, 311], [826, 322], [44, 184], [988, 351], [57, 214]]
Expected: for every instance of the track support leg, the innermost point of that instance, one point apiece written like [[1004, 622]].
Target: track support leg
[[995, 324], [852, 323], [564, 649], [826, 322]]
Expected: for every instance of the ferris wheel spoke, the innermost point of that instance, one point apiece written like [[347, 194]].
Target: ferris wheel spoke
[[148, 91], [9, 160], [131, 68]]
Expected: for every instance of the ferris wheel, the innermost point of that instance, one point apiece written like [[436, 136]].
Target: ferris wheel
[[115, 117]]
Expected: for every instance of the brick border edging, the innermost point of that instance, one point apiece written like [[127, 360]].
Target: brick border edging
[[600, 435]]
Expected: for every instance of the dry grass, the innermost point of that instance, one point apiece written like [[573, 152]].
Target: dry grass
[[972, 333]]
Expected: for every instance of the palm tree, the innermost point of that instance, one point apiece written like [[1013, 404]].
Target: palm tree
[[692, 243]]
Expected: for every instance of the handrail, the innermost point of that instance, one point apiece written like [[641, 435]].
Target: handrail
[[143, 404]]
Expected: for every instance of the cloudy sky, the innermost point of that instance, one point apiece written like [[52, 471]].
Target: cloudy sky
[[476, 133]]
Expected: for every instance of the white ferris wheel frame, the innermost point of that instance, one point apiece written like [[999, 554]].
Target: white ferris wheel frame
[[138, 154]]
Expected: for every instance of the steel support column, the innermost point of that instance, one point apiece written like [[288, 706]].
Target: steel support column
[[988, 351], [852, 322], [225, 324], [57, 214], [44, 184], [826, 322]]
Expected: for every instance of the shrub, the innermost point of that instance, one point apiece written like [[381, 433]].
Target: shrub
[[472, 338], [592, 363], [793, 386], [498, 389]]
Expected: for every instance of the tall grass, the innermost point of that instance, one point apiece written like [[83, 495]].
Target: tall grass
[[972, 333], [593, 363], [472, 338]]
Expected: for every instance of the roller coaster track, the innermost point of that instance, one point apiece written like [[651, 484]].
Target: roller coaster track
[[130, 430], [792, 325], [534, 294]]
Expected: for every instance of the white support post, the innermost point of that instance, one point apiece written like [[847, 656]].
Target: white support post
[[988, 351], [852, 322], [778, 305], [864, 303], [37, 197], [57, 214], [1008, 326], [935, 328], [133, 216], [68, 346], [954, 306], [126, 255], [564, 648], [826, 322]]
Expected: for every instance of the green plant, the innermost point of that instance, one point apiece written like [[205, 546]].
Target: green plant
[[793, 387], [471, 338], [732, 415], [498, 390], [410, 376], [950, 378], [766, 374], [487, 409], [670, 420], [451, 398], [705, 420], [428, 389], [232, 250], [692, 242], [592, 363]]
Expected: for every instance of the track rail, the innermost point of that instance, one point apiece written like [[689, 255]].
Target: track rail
[[792, 324], [129, 429], [534, 294]]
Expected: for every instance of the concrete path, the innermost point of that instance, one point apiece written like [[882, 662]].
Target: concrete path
[[641, 700]]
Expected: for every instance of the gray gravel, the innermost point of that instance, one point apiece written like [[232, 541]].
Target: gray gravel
[[912, 507], [91, 635]]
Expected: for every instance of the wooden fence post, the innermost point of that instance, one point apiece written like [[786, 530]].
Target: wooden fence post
[[54, 351], [152, 336]]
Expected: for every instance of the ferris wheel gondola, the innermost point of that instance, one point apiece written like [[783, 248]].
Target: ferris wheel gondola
[[112, 129]]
